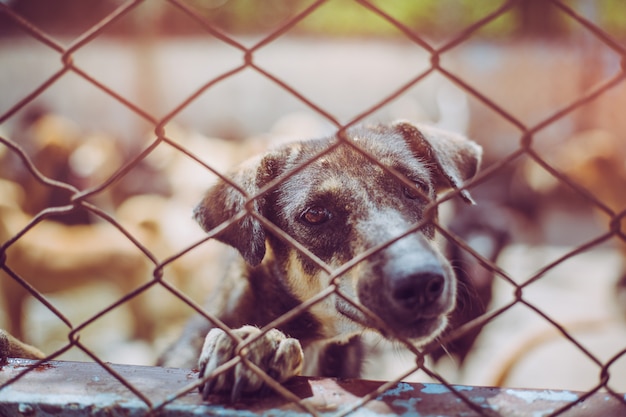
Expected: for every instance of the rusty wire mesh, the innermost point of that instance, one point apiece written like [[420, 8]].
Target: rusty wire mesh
[[79, 198]]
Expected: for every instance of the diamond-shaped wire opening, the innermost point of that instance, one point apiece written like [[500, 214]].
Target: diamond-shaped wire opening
[[67, 53], [82, 155], [314, 81], [39, 64], [146, 57], [324, 86], [574, 341]]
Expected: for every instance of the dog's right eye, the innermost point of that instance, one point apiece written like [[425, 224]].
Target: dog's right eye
[[413, 194], [315, 215]]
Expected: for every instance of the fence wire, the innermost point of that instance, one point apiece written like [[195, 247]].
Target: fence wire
[[78, 199]]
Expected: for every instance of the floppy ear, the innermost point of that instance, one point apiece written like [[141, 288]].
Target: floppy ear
[[223, 201], [456, 158]]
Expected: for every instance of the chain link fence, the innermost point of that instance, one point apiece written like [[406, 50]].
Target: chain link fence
[[87, 200]]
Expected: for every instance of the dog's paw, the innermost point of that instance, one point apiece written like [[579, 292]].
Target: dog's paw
[[279, 356]]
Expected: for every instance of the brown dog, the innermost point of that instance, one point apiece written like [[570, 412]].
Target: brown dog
[[56, 257], [338, 203]]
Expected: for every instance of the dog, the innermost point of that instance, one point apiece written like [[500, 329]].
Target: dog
[[340, 198], [55, 257]]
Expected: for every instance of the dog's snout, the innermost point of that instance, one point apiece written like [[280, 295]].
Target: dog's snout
[[418, 290], [417, 283]]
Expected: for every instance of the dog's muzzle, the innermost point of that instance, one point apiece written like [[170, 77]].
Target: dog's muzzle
[[413, 292], [410, 286]]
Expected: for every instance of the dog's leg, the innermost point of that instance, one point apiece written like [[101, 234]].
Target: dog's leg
[[228, 303], [339, 359], [10, 347], [183, 353]]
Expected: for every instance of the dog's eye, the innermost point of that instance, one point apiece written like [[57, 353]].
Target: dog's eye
[[315, 215], [422, 191]]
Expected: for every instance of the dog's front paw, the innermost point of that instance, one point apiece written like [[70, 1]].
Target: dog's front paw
[[278, 355]]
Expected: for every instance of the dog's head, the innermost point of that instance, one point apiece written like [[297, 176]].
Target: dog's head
[[342, 199]]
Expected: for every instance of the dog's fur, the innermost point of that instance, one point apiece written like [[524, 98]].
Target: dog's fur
[[338, 206], [11, 347]]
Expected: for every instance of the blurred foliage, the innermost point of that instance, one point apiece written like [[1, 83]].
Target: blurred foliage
[[341, 17], [433, 18]]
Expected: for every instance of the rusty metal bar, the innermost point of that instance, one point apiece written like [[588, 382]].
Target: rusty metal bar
[[86, 389]]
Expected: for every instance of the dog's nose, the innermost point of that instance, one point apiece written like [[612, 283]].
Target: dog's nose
[[418, 290]]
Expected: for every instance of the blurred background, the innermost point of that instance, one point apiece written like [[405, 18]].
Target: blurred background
[[83, 95]]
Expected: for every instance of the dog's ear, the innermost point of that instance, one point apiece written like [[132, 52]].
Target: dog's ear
[[223, 201], [456, 158]]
